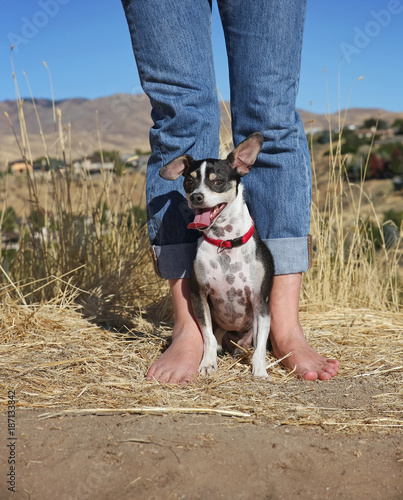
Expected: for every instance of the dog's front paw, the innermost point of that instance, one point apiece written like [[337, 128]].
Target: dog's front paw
[[208, 367], [259, 371]]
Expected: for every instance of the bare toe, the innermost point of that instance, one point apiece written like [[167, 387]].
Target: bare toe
[[310, 375], [332, 367]]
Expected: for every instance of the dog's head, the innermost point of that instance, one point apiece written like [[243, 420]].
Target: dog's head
[[211, 185]]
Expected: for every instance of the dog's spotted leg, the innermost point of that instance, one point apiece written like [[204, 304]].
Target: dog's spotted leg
[[208, 365], [201, 310], [260, 335]]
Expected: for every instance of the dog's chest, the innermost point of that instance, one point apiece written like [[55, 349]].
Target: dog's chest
[[230, 277]]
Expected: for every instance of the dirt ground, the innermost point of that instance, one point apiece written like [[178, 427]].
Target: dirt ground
[[196, 457], [229, 436]]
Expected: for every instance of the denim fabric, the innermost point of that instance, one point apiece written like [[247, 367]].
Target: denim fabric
[[173, 49]]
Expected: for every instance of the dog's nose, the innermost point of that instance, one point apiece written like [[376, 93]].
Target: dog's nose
[[196, 198]]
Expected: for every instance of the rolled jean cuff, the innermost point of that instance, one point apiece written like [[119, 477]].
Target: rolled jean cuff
[[291, 255], [174, 261]]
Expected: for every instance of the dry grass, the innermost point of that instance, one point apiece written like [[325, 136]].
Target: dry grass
[[348, 269], [14, 191], [56, 360]]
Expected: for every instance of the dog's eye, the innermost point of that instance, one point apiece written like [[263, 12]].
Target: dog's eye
[[218, 182], [188, 183]]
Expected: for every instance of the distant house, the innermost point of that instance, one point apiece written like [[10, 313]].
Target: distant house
[[89, 166], [20, 167], [369, 132]]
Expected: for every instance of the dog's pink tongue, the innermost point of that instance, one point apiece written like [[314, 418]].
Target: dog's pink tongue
[[201, 221]]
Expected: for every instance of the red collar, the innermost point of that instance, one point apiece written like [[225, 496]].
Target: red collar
[[236, 242]]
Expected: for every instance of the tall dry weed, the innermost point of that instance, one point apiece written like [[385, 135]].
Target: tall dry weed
[[349, 268], [80, 245], [80, 242]]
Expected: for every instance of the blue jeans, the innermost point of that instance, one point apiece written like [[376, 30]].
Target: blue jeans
[[172, 44]]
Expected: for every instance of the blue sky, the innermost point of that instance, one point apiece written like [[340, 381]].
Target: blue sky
[[86, 46]]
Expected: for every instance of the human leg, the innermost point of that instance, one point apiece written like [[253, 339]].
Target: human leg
[[172, 45], [173, 49], [264, 42], [287, 334], [180, 362]]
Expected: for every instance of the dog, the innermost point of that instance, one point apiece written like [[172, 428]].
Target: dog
[[233, 270]]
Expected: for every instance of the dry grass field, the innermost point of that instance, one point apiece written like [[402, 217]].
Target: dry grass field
[[83, 316]]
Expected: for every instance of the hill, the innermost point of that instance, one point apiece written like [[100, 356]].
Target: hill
[[120, 121]]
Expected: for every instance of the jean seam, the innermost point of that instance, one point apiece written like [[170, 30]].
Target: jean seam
[[154, 260]]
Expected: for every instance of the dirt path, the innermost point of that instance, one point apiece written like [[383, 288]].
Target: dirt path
[[196, 457]]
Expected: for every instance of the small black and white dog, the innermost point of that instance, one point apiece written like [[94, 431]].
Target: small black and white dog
[[233, 270]]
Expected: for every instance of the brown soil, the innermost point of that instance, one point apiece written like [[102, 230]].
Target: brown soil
[[197, 457]]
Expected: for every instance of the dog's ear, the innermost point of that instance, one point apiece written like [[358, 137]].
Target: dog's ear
[[172, 170], [244, 156]]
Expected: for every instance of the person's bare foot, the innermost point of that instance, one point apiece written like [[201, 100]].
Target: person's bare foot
[[180, 362], [287, 336]]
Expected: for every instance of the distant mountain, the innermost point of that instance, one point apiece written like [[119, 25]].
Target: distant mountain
[[120, 121]]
